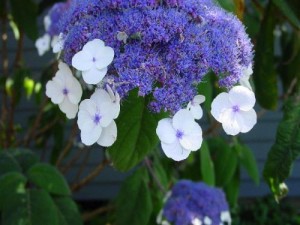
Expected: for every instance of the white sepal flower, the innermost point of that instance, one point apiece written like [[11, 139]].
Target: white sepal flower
[[180, 135], [47, 22], [93, 60], [57, 43], [207, 221], [65, 90], [115, 98], [195, 108], [244, 80], [43, 44], [225, 217], [235, 110], [95, 119], [196, 221]]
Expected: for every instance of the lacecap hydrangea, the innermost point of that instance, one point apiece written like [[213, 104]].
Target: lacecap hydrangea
[[163, 48], [192, 203], [167, 46]]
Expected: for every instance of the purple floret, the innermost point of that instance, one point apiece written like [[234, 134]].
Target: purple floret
[[171, 45]]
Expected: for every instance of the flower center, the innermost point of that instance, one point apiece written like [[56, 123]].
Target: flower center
[[94, 59], [65, 91], [235, 108], [179, 134], [97, 119]]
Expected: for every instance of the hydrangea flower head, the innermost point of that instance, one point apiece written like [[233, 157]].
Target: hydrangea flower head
[[65, 90], [196, 203], [162, 48], [235, 110], [93, 60], [180, 135]]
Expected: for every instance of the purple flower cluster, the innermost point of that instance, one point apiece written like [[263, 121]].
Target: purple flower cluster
[[190, 201], [171, 45]]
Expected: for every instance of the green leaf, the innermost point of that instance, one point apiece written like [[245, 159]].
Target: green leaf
[[11, 183], [225, 160], [49, 178], [134, 205], [286, 10], [286, 148], [232, 189], [32, 208], [265, 79], [206, 88], [136, 133], [24, 13], [24, 157], [67, 210], [227, 4], [207, 165], [248, 161], [8, 164]]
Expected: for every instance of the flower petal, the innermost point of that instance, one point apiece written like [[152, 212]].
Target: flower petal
[[219, 105], [104, 57], [106, 114], [68, 108], [246, 120], [165, 131], [93, 76], [100, 96], [196, 111], [242, 97], [183, 120], [230, 123], [75, 90], [192, 140], [175, 151], [54, 91], [82, 61], [90, 136], [108, 135], [198, 99], [93, 46]]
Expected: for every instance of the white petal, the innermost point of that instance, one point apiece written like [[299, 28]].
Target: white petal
[[246, 120], [93, 46], [104, 57], [192, 139], [183, 120], [245, 83], [196, 221], [82, 61], [225, 216], [75, 90], [68, 108], [207, 221], [196, 111], [47, 22], [116, 110], [242, 97], [89, 106], [108, 135], [165, 131], [198, 99], [93, 76], [43, 44], [106, 114], [85, 120], [100, 96], [219, 105], [175, 151], [90, 136], [54, 91], [230, 123]]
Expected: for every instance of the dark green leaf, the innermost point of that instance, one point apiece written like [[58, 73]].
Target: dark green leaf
[[207, 165], [286, 148], [225, 160], [8, 164], [49, 178], [67, 210], [32, 208], [24, 157], [11, 183], [134, 205], [265, 79], [227, 4], [286, 10], [232, 189], [136, 133], [248, 161], [206, 88], [25, 15]]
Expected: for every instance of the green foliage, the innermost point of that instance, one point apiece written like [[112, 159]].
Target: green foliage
[[286, 148], [136, 133], [207, 165], [134, 205], [33, 193], [265, 79], [25, 15], [286, 10]]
